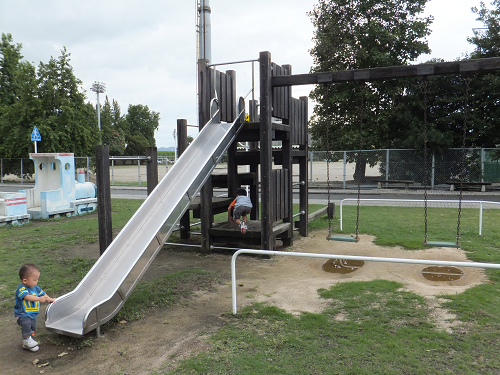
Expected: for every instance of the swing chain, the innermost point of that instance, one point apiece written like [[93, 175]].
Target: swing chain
[[361, 120], [329, 214], [424, 79], [464, 154]]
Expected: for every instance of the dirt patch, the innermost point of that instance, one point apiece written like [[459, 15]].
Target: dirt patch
[[165, 337]]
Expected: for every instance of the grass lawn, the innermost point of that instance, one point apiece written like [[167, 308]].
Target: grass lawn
[[384, 329]]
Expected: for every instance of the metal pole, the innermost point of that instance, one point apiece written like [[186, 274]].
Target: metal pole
[[347, 257], [98, 111], [112, 172], [387, 164], [139, 171], [88, 169], [311, 155], [482, 164], [1, 170], [481, 218], [345, 171], [433, 172], [253, 81], [22, 179]]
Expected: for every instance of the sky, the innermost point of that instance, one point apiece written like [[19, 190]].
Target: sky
[[145, 51]]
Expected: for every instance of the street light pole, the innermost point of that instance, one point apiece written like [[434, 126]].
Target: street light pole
[[99, 88]]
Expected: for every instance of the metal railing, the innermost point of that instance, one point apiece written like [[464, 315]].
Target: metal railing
[[430, 202], [346, 257]]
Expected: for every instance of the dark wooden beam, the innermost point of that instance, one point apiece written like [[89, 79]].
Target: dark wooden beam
[[267, 202], [103, 197], [204, 97], [303, 176], [152, 168], [405, 71], [184, 222]]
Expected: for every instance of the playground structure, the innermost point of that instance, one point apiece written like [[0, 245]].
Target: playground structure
[[109, 283], [56, 193]]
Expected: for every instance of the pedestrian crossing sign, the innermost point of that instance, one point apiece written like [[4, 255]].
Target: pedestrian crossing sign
[[35, 135]]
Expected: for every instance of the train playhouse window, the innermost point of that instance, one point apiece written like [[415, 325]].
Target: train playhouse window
[[53, 166], [42, 166], [66, 166]]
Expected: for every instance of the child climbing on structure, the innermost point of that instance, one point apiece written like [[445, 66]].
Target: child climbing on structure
[[241, 206]]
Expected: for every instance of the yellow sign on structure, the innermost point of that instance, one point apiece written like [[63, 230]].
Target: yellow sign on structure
[[247, 117]]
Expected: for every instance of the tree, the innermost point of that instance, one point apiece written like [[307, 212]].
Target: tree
[[49, 98], [113, 127], [141, 126], [67, 121], [358, 34], [486, 88], [10, 60]]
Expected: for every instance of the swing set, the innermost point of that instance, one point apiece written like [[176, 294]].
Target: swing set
[[426, 242]]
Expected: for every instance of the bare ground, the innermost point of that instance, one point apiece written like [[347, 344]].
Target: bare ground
[[169, 335]]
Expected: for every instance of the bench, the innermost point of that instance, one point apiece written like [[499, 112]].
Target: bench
[[473, 184], [405, 182]]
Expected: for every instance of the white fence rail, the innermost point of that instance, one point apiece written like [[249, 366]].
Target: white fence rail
[[420, 203]]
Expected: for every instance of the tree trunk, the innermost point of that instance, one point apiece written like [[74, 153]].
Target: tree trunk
[[360, 170]]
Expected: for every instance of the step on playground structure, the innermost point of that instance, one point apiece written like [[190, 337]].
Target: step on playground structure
[[276, 116], [56, 192]]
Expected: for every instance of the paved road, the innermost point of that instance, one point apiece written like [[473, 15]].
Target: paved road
[[319, 196]]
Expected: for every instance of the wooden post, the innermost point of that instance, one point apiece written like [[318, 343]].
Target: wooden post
[[254, 167], [185, 222], [152, 168], [232, 167], [303, 174], [103, 197], [266, 137], [287, 164], [204, 97]]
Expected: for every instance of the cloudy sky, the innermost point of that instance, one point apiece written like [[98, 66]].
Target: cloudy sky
[[145, 51]]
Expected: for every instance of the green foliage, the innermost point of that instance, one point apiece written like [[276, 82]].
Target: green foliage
[[113, 126], [141, 126], [357, 35], [51, 98]]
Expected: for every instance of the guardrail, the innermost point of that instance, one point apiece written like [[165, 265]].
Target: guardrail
[[429, 201], [346, 257]]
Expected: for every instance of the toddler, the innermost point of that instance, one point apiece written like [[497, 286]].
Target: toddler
[[28, 298], [241, 206]]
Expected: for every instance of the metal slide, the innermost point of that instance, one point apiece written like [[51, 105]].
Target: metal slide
[[108, 284]]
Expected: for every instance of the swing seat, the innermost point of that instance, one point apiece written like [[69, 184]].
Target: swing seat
[[442, 244], [342, 238]]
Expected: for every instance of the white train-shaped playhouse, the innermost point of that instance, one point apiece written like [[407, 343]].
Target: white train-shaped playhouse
[[56, 192]]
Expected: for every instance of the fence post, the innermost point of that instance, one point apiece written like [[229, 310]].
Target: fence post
[[88, 169], [387, 164], [139, 170], [311, 155], [433, 171], [345, 170], [112, 172], [482, 164]]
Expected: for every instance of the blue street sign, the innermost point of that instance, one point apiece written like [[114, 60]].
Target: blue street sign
[[35, 135]]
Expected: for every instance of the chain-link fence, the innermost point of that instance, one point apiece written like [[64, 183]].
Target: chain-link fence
[[344, 169], [348, 168]]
